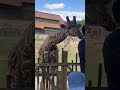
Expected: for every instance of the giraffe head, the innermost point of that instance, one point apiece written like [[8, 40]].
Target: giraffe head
[[73, 29]]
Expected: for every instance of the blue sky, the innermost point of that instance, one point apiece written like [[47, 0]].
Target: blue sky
[[62, 7]]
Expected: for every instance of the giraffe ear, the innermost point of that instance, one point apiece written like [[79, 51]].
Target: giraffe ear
[[74, 19], [62, 26], [68, 20]]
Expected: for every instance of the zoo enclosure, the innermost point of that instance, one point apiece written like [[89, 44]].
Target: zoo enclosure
[[61, 76], [58, 76]]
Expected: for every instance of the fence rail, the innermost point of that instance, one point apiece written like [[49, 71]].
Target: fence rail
[[57, 64]]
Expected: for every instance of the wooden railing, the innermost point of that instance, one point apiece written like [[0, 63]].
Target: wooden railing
[[61, 75]]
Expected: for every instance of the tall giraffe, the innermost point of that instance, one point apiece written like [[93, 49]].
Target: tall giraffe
[[48, 52], [21, 61]]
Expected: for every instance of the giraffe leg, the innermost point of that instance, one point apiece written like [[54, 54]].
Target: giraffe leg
[[49, 79], [46, 58], [42, 83], [43, 70], [54, 58]]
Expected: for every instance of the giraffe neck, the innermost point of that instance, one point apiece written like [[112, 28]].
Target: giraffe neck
[[56, 37]]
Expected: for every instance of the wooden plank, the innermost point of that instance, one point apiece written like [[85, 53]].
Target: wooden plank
[[64, 70], [56, 64], [57, 76], [76, 62], [55, 73], [47, 82], [72, 65]]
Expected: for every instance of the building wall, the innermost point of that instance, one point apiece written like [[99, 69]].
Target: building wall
[[39, 31], [46, 30]]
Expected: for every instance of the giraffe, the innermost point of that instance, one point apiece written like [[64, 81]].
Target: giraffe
[[48, 52], [21, 61]]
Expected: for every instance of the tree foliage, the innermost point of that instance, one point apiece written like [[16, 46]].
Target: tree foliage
[[82, 22]]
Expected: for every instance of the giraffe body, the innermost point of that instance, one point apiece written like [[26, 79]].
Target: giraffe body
[[21, 61], [50, 46], [48, 52]]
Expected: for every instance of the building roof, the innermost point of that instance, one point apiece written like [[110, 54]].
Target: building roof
[[48, 16], [15, 2]]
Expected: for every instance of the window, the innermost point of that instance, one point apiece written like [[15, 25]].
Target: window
[[39, 31], [44, 31], [46, 20], [48, 30]]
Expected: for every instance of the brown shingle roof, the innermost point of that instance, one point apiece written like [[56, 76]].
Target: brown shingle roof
[[48, 16]]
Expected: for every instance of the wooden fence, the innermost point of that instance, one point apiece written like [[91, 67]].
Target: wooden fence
[[58, 80], [53, 80]]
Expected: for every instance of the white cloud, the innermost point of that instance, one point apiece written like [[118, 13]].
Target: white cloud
[[79, 15], [54, 6]]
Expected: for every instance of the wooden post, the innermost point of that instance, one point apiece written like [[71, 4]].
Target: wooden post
[[76, 62], [99, 75], [53, 77], [57, 77], [72, 65], [8, 81], [64, 70]]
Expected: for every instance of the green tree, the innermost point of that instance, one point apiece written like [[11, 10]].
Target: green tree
[[82, 22]]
